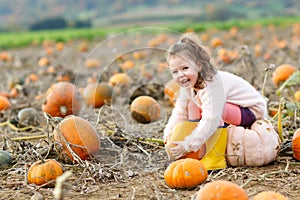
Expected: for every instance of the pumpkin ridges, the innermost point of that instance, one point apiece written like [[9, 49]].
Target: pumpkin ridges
[[252, 147], [263, 127], [183, 173], [43, 171]]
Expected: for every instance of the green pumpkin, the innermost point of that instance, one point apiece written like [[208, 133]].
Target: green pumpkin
[[5, 159]]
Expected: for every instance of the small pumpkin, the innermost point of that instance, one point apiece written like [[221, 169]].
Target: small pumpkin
[[269, 195], [216, 42], [127, 65], [256, 146], [145, 109], [119, 79], [171, 91], [43, 171], [221, 190], [92, 63], [59, 46], [185, 173], [5, 159], [28, 116], [4, 103], [178, 133], [296, 144], [97, 94], [62, 99], [282, 73], [80, 135], [43, 61]]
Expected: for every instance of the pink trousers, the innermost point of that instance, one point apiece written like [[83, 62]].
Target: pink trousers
[[232, 114]]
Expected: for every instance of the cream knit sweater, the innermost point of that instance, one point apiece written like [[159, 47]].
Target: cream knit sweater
[[225, 87]]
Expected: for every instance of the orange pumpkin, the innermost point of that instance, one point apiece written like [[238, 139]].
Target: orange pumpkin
[[97, 94], [43, 61], [282, 73], [296, 144], [221, 190], [127, 65], [5, 56], [59, 46], [185, 173], [119, 79], [178, 133], [80, 135], [145, 109], [92, 62], [62, 99], [269, 195], [4, 103], [43, 171], [216, 42]]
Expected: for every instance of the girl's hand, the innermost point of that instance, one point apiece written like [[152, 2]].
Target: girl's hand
[[178, 151]]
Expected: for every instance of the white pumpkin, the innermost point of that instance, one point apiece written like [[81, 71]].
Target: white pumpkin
[[256, 146]]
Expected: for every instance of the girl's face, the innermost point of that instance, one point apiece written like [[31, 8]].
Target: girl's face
[[183, 71]]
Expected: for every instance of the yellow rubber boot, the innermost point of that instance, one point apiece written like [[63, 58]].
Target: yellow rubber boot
[[215, 150]]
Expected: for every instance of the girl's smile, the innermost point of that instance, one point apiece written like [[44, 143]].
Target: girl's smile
[[183, 71]]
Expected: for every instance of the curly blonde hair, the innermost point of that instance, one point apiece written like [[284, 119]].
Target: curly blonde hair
[[190, 47]]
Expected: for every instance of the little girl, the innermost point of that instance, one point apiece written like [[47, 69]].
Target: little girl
[[212, 97]]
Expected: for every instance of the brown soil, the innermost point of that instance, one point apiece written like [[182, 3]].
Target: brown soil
[[129, 166]]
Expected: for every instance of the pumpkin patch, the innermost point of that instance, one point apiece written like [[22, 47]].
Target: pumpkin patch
[[113, 145]]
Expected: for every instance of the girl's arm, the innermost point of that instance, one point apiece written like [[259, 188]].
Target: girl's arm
[[213, 100], [179, 113]]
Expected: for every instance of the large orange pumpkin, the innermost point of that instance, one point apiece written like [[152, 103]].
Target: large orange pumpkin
[[145, 109], [296, 144], [252, 147], [185, 173], [97, 94], [62, 99], [43, 171], [80, 135], [221, 190], [269, 195], [282, 73], [178, 133]]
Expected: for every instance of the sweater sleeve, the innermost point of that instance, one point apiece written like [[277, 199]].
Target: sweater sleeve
[[179, 113], [213, 100]]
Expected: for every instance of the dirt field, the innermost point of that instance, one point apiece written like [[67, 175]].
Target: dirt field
[[129, 166]]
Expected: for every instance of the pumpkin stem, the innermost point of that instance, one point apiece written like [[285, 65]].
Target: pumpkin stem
[[63, 110]]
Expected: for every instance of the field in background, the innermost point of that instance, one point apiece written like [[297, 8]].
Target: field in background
[[10, 40]]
